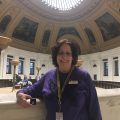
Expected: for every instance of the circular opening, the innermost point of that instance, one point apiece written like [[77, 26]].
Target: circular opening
[[62, 5]]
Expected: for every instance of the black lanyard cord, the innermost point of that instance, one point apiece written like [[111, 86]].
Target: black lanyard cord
[[60, 91]]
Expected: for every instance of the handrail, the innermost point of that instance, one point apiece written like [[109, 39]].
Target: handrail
[[106, 84]]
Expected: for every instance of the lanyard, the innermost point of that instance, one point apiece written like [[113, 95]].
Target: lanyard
[[60, 91]]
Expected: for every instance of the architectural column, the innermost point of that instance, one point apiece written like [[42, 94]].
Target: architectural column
[[38, 70], [14, 63], [110, 68]]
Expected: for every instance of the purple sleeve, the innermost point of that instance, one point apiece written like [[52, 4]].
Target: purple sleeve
[[35, 90], [94, 108]]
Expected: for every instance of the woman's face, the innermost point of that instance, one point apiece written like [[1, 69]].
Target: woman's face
[[64, 58]]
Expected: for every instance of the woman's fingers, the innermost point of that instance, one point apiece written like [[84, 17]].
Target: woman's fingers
[[25, 104], [28, 97], [22, 100]]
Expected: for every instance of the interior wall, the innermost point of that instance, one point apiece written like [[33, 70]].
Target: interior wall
[[97, 59], [89, 61]]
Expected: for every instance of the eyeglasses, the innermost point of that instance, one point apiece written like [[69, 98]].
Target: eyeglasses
[[67, 54]]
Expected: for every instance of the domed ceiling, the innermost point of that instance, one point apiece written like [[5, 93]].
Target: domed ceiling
[[61, 10], [35, 25]]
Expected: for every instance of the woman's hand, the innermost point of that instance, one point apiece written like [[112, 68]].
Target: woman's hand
[[22, 100]]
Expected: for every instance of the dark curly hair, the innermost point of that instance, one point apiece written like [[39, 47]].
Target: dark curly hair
[[74, 48]]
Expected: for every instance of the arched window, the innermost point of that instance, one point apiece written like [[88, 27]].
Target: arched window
[[46, 37], [4, 23], [90, 36]]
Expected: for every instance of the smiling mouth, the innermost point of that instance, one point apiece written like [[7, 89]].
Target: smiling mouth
[[64, 62]]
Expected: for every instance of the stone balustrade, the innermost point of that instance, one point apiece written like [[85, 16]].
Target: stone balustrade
[[109, 103], [12, 111]]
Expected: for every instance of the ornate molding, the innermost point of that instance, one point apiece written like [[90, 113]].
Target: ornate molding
[[114, 4]]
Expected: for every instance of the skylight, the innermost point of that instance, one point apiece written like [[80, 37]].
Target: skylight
[[62, 5]]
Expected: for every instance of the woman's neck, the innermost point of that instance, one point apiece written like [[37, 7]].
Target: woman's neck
[[67, 70]]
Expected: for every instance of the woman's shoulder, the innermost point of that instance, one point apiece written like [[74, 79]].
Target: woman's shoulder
[[83, 75], [81, 71], [50, 73]]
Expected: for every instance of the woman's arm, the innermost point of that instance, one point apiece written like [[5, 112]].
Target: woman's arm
[[34, 91]]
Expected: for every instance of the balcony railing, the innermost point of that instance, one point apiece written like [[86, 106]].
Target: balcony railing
[[107, 84]]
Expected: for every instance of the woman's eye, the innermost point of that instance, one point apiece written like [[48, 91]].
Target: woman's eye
[[67, 54]]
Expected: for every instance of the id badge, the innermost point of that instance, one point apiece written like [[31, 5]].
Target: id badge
[[59, 116]]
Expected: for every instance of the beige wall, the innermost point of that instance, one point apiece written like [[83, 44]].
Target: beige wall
[[89, 61]]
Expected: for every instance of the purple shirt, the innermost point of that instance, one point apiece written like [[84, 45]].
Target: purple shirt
[[79, 101]]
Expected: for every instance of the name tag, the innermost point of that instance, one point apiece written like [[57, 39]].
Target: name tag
[[59, 116], [73, 82]]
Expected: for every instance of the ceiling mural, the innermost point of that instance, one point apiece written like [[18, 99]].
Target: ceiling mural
[[68, 30], [25, 30], [4, 23], [90, 36], [109, 26], [46, 37]]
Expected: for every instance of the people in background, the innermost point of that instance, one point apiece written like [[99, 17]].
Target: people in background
[[42, 74], [30, 78], [68, 91], [25, 82], [18, 78]]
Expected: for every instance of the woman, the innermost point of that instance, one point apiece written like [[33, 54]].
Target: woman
[[67, 91]]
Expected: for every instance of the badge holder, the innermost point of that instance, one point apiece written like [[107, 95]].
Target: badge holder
[[59, 116]]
